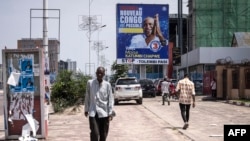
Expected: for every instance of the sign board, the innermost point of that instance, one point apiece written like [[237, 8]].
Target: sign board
[[142, 33]]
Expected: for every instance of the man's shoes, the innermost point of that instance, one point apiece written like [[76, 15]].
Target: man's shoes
[[185, 126], [163, 104], [168, 102]]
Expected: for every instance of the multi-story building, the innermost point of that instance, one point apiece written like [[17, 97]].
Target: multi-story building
[[1, 76], [53, 49], [63, 65], [212, 28], [71, 65]]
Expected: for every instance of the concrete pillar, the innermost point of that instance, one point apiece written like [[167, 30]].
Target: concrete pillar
[[143, 72]]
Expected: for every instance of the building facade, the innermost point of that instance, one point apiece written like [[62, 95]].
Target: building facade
[[71, 65], [212, 26], [53, 49]]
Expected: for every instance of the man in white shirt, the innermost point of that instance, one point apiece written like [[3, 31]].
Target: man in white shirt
[[165, 91], [99, 106]]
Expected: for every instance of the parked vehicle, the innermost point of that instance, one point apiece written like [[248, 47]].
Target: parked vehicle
[[157, 84], [128, 88], [148, 88], [174, 81]]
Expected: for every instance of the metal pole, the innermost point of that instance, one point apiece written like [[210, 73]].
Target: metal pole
[[89, 36], [45, 28], [180, 25], [187, 46], [30, 24], [99, 46]]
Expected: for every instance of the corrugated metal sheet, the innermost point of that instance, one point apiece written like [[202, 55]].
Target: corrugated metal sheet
[[241, 39]]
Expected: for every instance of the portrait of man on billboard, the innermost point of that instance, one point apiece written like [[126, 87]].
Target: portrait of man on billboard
[[151, 33]]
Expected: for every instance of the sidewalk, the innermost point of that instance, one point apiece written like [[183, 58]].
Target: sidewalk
[[207, 120]]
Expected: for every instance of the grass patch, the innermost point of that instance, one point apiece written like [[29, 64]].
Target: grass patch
[[243, 100]]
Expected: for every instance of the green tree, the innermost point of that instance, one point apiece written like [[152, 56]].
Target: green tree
[[120, 70], [68, 90]]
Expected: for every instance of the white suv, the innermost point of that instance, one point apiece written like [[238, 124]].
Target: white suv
[[127, 88]]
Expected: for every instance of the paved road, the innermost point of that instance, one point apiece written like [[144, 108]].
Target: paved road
[[153, 122]]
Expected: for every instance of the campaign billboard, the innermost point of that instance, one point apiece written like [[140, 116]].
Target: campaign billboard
[[142, 33]]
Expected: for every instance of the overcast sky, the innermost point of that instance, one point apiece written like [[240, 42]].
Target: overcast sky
[[15, 25]]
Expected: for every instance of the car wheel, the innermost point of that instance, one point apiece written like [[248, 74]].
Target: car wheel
[[139, 101]]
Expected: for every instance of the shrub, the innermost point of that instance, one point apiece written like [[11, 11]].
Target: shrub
[[68, 90]]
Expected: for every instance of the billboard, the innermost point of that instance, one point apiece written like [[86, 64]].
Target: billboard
[[142, 33]]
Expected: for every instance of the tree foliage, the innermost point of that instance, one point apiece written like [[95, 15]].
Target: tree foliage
[[120, 71], [68, 90]]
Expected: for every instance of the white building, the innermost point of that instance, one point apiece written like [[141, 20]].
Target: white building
[[72, 65]]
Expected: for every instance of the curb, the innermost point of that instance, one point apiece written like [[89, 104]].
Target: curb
[[233, 102], [238, 103]]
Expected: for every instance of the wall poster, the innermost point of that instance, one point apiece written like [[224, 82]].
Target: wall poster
[[23, 98]]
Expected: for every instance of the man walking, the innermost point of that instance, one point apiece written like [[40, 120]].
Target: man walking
[[165, 91], [187, 96], [99, 106]]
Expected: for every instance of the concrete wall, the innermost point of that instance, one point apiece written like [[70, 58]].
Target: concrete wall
[[219, 71], [229, 92]]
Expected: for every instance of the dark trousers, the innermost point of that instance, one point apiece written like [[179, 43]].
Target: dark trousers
[[214, 93], [99, 128], [185, 108], [164, 96]]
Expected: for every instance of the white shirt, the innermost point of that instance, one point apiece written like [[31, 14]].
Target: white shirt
[[165, 87], [213, 85], [98, 98], [138, 41]]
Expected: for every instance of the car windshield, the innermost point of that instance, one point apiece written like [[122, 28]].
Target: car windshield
[[145, 82], [127, 81]]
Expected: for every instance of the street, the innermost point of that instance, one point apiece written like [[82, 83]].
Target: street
[[152, 121]]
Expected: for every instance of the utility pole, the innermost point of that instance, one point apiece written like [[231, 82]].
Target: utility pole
[[180, 25], [99, 45], [90, 24], [45, 28]]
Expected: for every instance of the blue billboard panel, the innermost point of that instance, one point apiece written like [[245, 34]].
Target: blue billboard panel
[[142, 33]]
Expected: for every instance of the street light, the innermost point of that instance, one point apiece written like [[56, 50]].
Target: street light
[[90, 24], [98, 45], [98, 50]]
